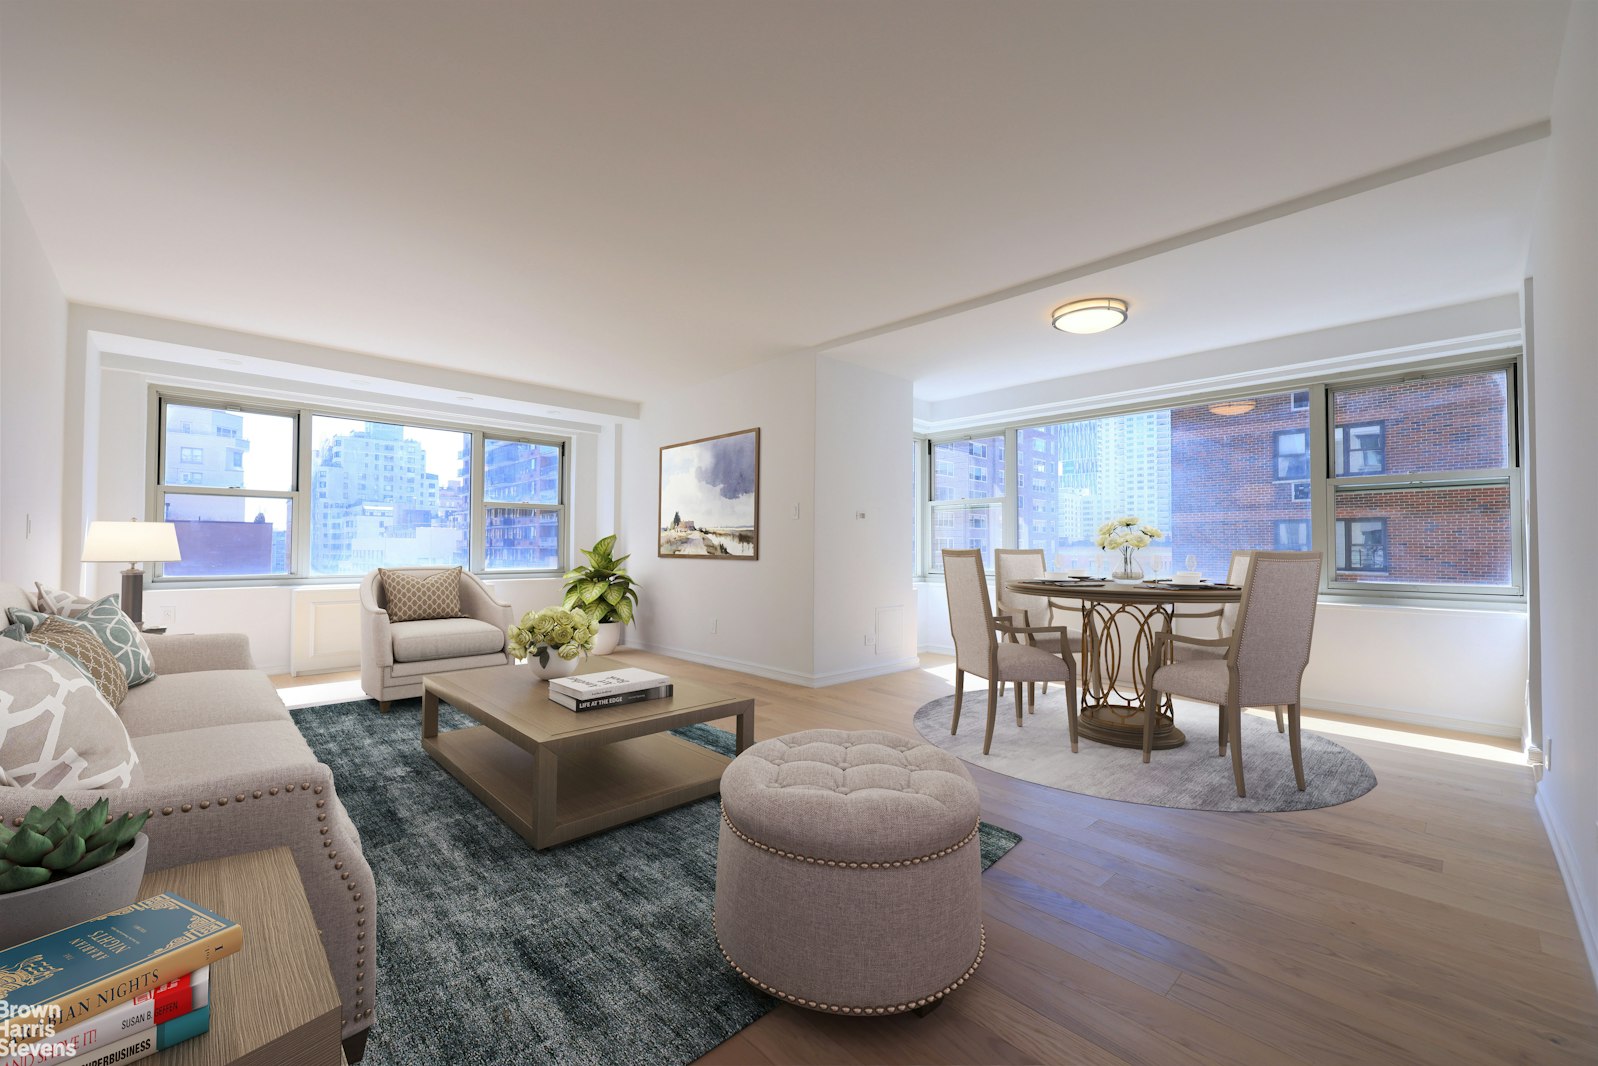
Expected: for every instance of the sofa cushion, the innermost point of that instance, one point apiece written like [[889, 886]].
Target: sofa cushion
[[105, 620], [413, 596], [221, 751], [444, 638], [56, 731], [173, 703], [15, 598], [80, 645]]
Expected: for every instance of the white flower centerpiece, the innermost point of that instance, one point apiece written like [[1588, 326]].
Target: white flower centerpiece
[[1127, 535], [552, 640]]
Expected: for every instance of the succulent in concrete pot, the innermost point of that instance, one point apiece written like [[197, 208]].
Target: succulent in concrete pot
[[64, 865]]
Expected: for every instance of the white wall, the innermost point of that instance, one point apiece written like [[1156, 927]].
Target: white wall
[[864, 523], [762, 610], [1563, 266], [33, 354]]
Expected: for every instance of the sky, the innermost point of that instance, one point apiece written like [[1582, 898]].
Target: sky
[[271, 451]]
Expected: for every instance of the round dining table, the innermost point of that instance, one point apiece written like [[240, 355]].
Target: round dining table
[[1119, 625]]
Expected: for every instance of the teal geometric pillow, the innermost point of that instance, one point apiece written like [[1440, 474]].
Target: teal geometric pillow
[[112, 628]]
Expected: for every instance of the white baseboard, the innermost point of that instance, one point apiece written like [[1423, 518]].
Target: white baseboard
[[1410, 716], [1586, 921], [774, 673], [936, 649]]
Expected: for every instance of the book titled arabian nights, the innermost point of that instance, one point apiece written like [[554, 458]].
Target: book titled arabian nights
[[67, 976]]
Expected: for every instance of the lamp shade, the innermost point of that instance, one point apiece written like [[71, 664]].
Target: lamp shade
[[131, 542]]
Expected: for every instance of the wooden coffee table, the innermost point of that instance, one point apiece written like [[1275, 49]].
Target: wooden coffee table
[[555, 775]]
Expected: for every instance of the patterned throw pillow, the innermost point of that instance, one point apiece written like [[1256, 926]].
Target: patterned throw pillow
[[56, 732], [105, 620], [413, 597], [83, 647], [58, 601]]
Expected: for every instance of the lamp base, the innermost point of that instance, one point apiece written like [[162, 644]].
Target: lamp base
[[133, 595]]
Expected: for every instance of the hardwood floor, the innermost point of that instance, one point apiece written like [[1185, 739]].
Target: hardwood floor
[[1422, 923]]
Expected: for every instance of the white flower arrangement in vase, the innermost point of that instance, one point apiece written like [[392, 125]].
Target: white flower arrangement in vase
[[568, 634], [1127, 535]]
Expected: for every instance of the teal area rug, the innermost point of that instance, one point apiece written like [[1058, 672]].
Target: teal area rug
[[488, 952]]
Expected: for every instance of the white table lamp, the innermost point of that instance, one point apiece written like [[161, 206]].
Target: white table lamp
[[132, 542]]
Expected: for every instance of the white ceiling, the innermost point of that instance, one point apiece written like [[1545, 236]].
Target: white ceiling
[[624, 196]]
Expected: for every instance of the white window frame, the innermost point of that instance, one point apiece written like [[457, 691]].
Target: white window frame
[[299, 494]]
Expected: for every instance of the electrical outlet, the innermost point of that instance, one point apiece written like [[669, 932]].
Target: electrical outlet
[[713, 626], [166, 615], [796, 510], [871, 641]]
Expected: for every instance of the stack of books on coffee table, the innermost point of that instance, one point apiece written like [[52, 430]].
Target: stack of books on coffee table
[[609, 688]]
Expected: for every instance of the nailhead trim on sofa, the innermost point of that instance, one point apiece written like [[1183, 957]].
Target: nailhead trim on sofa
[[360, 949], [833, 1008], [842, 863]]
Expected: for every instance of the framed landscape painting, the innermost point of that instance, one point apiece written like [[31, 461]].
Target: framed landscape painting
[[710, 497]]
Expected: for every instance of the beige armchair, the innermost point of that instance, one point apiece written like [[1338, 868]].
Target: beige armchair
[[396, 655], [1225, 619], [978, 650], [1263, 658]]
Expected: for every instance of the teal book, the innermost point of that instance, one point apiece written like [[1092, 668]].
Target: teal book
[[184, 1027], [70, 975]]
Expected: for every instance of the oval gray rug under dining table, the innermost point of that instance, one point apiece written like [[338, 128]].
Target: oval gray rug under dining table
[[1193, 776]]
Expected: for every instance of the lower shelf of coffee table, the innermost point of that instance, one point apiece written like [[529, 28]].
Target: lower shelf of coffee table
[[593, 788]]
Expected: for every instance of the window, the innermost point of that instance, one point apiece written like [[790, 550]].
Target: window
[[378, 494], [1292, 454], [416, 518], [1411, 486], [1292, 535], [1425, 485], [232, 519], [1362, 545], [521, 480], [968, 486], [1359, 450]]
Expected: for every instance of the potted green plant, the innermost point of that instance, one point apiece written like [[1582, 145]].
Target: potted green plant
[[603, 590], [551, 640], [64, 865]]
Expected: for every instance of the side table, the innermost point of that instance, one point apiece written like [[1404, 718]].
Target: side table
[[274, 1003]]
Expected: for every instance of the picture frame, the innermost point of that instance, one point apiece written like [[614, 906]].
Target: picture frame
[[710, 498]]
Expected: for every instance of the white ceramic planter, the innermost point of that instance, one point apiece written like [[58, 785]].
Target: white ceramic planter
[[557, 667], [33, 912], [607, 638]]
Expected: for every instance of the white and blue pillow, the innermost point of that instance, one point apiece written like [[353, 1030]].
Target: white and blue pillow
[[111, 627]]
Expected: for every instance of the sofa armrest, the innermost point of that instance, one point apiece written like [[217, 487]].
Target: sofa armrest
[[377, 644], [208, 816], [185, 653]]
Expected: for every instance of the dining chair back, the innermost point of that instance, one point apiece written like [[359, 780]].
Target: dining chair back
[[970, 610], [1275, 624]]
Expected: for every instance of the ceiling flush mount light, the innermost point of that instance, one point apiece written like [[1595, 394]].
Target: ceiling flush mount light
[[1090, 316], [1232, 407]]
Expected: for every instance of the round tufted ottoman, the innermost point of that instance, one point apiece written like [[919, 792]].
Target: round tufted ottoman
[[848, 874]]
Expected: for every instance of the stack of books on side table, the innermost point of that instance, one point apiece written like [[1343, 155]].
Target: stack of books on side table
[[612, 688], [114, 989]]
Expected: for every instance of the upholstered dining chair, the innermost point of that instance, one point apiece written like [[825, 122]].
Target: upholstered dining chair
[[978, 649], [1225, 616], [1026, 564], [1264, 656]]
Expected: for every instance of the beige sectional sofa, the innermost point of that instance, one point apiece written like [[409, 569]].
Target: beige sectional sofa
[[225, 771]]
